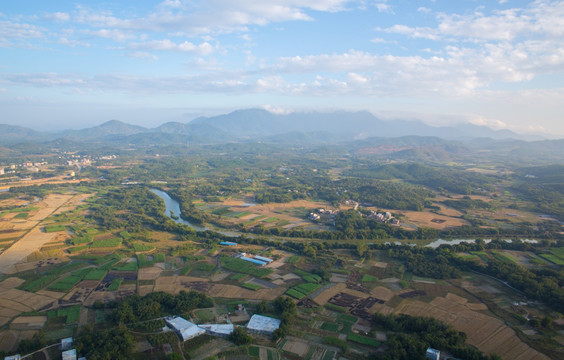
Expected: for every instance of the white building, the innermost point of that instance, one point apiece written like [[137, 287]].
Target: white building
[[69, 354], [263, 324], [13, 357], [433, 354], [184, 328]]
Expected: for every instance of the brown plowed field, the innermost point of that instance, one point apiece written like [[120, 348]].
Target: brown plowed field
[[488, 334], [324, 297]]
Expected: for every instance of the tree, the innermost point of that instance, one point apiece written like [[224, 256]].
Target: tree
[[240, 337], [262, 308]]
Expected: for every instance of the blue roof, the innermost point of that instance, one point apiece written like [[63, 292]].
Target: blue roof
[[258, 262], [263, 259], [228, 243]]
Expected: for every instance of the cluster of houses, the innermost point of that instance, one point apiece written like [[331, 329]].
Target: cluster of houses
[[386, 217], [322, 215], [187, 330], [26, 166]]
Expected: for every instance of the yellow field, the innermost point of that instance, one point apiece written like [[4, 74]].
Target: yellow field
[[35, 238]]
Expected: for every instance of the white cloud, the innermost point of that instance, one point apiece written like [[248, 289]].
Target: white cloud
[[210, 17], [492, 123], [57, 16], [541, 18], [142, 55], [383, 7], [15, 30], [424, 10], [276, 110], [72, 42], [204, 48], [114, 34]]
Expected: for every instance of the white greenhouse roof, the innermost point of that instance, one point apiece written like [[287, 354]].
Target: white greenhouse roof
[[69, 354], [263, 323], [184, 328]]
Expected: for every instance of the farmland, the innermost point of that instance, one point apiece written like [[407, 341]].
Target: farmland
[[84, 250]]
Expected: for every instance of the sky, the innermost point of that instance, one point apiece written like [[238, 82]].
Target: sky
[[75, 64]]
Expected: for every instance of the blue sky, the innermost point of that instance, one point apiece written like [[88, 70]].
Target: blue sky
[[76, 64]]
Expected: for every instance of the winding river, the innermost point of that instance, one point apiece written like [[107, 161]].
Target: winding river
[[173, 208]]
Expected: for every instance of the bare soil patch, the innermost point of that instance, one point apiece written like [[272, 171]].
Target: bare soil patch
[[28, 323], [235, 292], [324, 297], [151, 273], [382, 293], [144, 290], [297, 347], [11, 234], [11, 283], [432, 220], [457, 299]]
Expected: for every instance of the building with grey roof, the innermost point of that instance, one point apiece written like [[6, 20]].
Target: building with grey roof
[[263, 324]]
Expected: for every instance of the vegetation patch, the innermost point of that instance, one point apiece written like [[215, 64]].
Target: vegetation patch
[[54, 228], [307, 288], [142, 247], [363, 340], [295, 294], [368, 278], [115, 284], [251, 286], [107, 243], [327, 326], [66, 283], [243, 266], [95, 275]]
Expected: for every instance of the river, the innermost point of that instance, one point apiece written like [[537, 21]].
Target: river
[[173, 207]]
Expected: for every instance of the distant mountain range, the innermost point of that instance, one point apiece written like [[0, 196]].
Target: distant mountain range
[[258, 125]]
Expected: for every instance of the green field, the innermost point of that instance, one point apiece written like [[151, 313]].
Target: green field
[[251, 286], [204, 315], [553, 258], [307, 288], [95, 275], [66, 283], [113, 242], [295, 294], [330, 327], [363, 340], [241, 214], [222, 211], [368, 278], [237, 277], [54, 228], [142, 247], [243, 266], [71, 313], [115, 284]]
